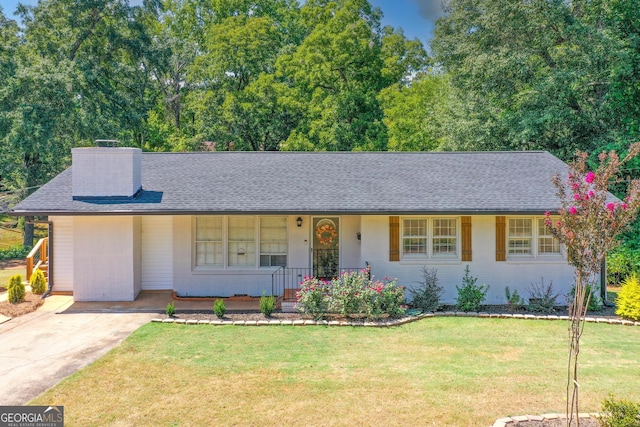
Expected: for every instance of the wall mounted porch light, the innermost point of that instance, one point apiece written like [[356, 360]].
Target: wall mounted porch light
[[299, 221]]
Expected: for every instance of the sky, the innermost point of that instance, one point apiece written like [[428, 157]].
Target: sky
[[415, 17]]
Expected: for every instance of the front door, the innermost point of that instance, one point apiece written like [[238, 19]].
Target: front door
[[326, 247]]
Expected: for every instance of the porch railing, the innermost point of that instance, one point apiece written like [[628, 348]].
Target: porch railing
[[38, 257], [285, 281]]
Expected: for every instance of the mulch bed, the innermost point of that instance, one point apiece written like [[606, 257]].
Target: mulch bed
[[31, 303]]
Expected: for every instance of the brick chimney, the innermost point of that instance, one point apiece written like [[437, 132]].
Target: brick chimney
[[101, 172]]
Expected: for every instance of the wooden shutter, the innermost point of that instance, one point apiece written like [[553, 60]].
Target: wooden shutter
[[466, 238], [501, 239], [394, 238]]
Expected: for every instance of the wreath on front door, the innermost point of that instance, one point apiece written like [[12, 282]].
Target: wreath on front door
[[326, 233]]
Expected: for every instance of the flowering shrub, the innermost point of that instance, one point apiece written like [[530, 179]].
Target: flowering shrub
[[312, 298], [470, 296], [589, 223], [350, 294]]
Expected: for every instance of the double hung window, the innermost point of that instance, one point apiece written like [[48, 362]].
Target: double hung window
[[530, 237], [240, 241], [424, 238]]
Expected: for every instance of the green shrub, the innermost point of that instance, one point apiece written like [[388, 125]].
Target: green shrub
[[171, 309], [38, 282], [622, 262], [350, 294], [619, 413], [514, 301], [312, 298], [426, 297], [16, 252], [628, 300], [267, 304], [219, 309], [15, 289], [594, 300], [542, 299], [470, 295]]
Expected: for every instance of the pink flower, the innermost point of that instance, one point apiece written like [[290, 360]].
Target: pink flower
[[576, 186], [623, 206], [573, 210], [591, 193], [547, 214], [590, 177], [577, 197], [611, 206], [559, 224]]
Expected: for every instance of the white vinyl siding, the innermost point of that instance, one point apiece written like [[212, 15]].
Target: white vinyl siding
[[157, 253], [63, 253]]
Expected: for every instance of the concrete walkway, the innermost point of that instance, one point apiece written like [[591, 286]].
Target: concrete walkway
[[39, 349]]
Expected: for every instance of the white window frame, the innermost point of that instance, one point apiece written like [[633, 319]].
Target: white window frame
[[534, 239], [430, 253], [226, 244], [271, 253]]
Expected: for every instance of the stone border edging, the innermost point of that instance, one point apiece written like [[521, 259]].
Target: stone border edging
[[391, 322], [514, 421]]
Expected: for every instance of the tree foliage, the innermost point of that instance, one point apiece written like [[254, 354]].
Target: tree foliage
[[554, 75], [589, 223]]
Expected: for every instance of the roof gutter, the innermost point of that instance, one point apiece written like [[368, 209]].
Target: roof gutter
[[275, 212]]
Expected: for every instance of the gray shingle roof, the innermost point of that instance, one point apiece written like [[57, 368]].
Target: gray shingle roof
[[292, 182]]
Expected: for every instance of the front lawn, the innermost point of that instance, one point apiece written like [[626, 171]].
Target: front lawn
[[440, 371]]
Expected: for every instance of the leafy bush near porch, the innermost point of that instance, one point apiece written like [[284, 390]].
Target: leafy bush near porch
[[350, 294], [470, 295], [16, 252], [426, 297], [15, 289], [38, 282], [267, 304], [219, 309], [619, 413], [628, 300], [542, 298]]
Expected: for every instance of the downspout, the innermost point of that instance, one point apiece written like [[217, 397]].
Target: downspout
[[603, 284], [49, 256]]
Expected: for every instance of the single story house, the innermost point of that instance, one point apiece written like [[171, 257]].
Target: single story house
[[244, 223]]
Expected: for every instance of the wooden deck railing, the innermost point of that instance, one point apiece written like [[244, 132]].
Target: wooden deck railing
[[37, 257]]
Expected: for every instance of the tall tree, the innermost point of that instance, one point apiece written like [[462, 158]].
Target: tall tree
[[414, 113], [338, 72], [532, 75]]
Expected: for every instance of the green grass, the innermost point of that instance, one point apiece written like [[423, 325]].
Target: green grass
[[440, 371], [7, 273]]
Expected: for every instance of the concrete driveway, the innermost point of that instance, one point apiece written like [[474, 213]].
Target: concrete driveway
[[39, 349]]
